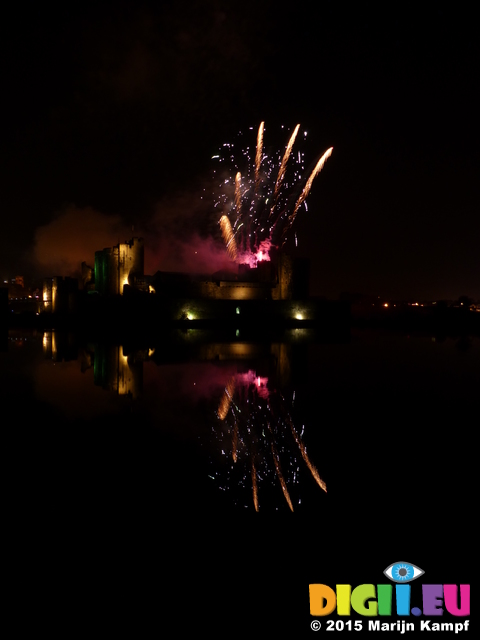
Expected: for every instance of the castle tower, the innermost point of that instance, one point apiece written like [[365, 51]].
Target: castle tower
[[130, 262], [118, 266]]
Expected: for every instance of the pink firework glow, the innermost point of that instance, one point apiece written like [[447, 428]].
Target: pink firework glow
[[258, 207]]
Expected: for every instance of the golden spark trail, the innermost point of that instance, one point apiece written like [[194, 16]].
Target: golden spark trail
[[254, 485], [306, 190], [238, 197], [283, 165], [228, 237], [226, 400], [258, 157], [303, 451]]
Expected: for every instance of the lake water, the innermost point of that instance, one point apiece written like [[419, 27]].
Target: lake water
[[363, 438]]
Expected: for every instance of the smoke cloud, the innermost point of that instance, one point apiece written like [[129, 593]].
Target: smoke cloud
[[72, 237], [182, 234]]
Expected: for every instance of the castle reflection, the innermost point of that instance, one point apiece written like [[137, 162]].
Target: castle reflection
[[257, 451], [116, 371]]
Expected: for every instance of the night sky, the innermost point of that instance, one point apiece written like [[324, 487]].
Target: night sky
[[111, 115]]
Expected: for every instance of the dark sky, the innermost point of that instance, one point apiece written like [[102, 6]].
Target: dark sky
[[111, 115]]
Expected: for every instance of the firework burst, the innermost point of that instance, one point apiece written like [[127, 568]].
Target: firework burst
[[259, 207]]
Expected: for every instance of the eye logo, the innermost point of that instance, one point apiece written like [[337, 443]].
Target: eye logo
[[403, 572]]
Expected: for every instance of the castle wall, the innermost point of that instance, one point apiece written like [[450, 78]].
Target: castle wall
[[232, 290], [130, 262], [117, 266], [104, 278], [59, 294], [241, 311], [283, 289]]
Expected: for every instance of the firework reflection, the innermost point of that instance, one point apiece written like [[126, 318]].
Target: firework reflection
[[256, 432]]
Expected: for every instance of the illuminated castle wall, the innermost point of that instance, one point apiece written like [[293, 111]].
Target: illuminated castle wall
[[59, 294], [231, 290], [120, 265], [282, 278], [279, 279]]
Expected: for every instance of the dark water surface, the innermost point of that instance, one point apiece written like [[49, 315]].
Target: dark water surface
[[179, 463]]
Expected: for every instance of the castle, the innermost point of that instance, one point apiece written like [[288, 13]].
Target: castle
[[117, 290], [120, 269]]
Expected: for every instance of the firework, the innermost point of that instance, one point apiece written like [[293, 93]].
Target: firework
[[234, 442], [238, 197], [260, 203], [283, 165], [281, 479], [228, 237], [306, 190], [259, 436], [303, 451], [258, 155], [226, 401], [254, 485]]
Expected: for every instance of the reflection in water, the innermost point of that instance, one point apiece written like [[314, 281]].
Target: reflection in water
[[59, 346], [195, 394], [258, 431], [115, 371]]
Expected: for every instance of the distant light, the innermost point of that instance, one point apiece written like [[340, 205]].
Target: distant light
[[299, 316], [385, 304]]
